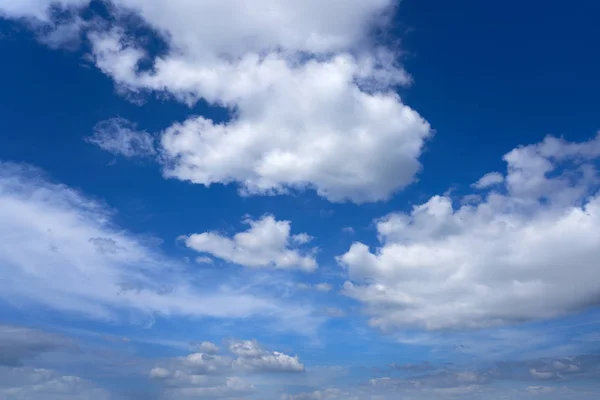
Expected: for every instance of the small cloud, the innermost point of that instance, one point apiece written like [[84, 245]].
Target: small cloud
[[204, 260], [206, 348], [302, 238], [119, 136], [323, 287], [349, 230], [489, 179]]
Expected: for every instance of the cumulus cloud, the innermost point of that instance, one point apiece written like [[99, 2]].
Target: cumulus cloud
[[62, 250], [515, 255], [267, 243], [252, 357], [120, 137], [200, 375], [306, 85]]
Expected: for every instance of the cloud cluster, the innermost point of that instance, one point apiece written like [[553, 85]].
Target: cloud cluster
[[267, 243], [312, 98], [202, 375], [526, 250]]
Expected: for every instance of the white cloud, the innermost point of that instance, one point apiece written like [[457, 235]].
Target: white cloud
[[307, 87], [201, 375], [62, 250], [323, 287], [302, 238], [120, 137], [204, 260], [514, 256], [252, 357], [267, 243], [321, 121], [489, 179], [245, 348]]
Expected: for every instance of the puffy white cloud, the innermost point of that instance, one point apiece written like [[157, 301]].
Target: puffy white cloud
[[62, 250], [307, 87], [201, 375], [120, 137], [245, 348], [311, 26], [252, 357], [321, 121], [267, 243], [527, 250]]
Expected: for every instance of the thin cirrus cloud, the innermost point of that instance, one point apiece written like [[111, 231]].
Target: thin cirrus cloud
[[268, 243], [310, 91], [62, 251], [527, 250], [121, 137]]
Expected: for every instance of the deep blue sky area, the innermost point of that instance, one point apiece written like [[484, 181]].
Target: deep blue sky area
[[427, 300]]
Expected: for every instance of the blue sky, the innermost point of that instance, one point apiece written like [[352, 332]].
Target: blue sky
[[299, 200]]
